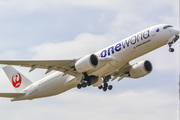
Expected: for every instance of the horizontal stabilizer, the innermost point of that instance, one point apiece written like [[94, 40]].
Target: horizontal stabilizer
[[11, 95]]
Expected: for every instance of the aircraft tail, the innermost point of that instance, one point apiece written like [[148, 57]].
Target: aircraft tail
[[18, 80]]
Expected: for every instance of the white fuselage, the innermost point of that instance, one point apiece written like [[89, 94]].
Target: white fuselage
[[123, 52], [130, 48], [51, 85]]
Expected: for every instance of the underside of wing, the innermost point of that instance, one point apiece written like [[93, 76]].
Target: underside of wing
[[58, 65], [66, 66], [11, 95], [121, 72]]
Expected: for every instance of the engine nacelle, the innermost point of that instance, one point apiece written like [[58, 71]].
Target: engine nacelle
[[140, 69], [86, 63]]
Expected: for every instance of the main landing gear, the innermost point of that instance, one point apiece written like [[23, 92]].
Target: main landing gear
[[105, 85], [83, 84], [87, 81], [90, 80]]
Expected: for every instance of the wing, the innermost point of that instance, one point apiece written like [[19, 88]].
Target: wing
[[11, 95], [66, 66], [121, 72]]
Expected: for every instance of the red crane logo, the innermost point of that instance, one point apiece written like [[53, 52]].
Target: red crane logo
[[16, 80]]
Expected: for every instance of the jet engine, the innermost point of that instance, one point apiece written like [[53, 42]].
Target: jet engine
[[140, 69], [86, 63]]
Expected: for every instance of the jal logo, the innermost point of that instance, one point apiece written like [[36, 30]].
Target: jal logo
[[16, 80]]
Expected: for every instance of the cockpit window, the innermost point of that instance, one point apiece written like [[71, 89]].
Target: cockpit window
[[167, 26]]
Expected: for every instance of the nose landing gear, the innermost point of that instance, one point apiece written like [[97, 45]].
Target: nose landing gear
[[171, 42], [171, 49]]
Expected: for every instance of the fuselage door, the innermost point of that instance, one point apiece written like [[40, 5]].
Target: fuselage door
[[153, 31]]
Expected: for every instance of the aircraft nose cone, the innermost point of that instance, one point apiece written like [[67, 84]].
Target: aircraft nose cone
[[175, 31]]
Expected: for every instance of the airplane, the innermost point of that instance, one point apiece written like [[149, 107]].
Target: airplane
[[95, 69]]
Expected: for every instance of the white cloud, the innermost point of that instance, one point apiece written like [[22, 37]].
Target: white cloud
[[123, 106], [148, 105], [83, 44]]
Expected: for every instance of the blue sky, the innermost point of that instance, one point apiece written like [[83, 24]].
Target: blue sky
[[44, 29]]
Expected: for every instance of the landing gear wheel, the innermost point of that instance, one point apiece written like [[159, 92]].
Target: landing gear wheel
[[100, 87], [84, 84], [88, 84], [79, 86], [104, 89], [105, 85], [171, 50], [110, 87]]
